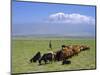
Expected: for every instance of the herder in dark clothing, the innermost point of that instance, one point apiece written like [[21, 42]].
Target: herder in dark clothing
[[50, 45]]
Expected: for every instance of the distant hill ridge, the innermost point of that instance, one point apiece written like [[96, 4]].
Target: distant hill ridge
[[54, 35]]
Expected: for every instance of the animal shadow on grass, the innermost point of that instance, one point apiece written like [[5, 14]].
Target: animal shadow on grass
[[66, 62]]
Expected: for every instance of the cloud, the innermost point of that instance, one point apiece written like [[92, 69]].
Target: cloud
[[73, 18]]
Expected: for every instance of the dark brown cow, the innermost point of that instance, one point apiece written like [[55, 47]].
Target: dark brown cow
[[58, 55]]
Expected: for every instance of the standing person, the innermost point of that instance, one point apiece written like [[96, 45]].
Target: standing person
[[50, 45]]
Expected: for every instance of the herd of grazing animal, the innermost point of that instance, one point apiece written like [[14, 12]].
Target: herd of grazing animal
[[66, 52]]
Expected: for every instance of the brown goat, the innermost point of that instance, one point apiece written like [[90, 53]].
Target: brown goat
[[67, 52], [75, 48]]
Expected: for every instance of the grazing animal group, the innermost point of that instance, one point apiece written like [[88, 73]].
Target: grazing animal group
[[66, 52]]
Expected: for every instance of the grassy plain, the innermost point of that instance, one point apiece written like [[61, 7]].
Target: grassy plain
[[24, 49]]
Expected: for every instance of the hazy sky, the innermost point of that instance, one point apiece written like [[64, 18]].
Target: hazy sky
[[42, 18]]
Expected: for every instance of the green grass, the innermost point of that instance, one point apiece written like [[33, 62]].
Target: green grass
[[23, 50]]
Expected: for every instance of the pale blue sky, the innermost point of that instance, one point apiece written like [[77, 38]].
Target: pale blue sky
[[30, 18]]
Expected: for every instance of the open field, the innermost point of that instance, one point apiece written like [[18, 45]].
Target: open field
[[24, 49]]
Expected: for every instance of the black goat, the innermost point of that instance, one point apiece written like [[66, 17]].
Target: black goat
[[36, 57], [46, 57]]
